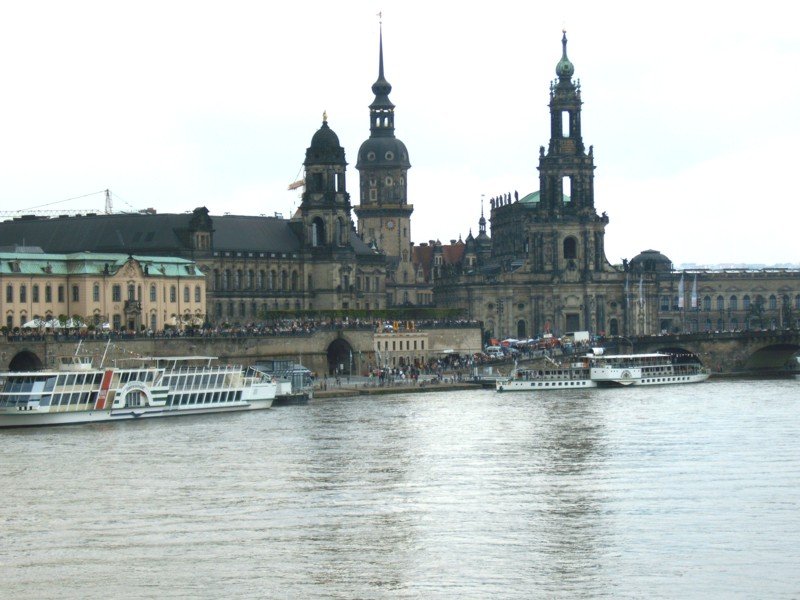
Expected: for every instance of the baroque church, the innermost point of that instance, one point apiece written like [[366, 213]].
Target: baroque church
[[540, 268], [544, 268]]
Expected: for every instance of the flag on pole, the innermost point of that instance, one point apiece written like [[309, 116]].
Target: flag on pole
[[681, 293], [694, 292]]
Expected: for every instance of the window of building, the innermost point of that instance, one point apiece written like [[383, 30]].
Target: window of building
[[570, 248], [664, 302], [153, 292], [117, 322], [566, 188], [116, 293], [720, 303], [61, 293], [48, 293], [173, 294], [35, 293], [186, 293], [23, 293], [733, 303], [96, 292], [76, 293], [707, 304], [773, 302], [197, 293], [746, 302], [9, 293]]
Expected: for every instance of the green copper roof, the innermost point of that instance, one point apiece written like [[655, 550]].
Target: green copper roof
[[87, 263], [534, 197]]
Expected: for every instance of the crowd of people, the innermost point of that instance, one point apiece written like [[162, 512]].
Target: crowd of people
[[276, 327]]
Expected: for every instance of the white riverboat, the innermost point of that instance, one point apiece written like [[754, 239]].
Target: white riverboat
[[78, 392], [605, 370]]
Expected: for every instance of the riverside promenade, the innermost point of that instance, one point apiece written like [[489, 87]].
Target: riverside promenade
[[363, 386]]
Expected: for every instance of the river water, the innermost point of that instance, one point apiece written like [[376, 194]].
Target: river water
[[662, 492]]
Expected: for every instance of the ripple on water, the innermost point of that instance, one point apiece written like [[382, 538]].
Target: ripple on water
[[662, 492]]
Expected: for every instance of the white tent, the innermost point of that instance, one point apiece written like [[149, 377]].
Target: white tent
[[34, 324]]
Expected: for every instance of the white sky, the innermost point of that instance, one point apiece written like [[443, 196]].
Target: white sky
[[692, 108]]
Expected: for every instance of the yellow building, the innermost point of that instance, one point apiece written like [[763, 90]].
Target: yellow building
[[114, 291]]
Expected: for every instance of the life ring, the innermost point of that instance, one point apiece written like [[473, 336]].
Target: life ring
[[626, 374]]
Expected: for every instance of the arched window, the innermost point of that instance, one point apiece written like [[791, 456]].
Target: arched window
[[746, 302], [153, 292], [261, 279], [239, 279], [720, 303], [173, 294], [131, 292], [773, 302], [570, 248], [186, 293], [707, 305], [23, 293], [228, 280], [733, 303], [340, 231], [217, 280], [251, 279], [284, 280], [197, 293], [271, 282], [317, 232], [294, 280]]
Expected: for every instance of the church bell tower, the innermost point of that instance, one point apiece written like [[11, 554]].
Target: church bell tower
[[384, 214]]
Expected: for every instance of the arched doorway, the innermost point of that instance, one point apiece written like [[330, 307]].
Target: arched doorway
[[341, 358], [521, 330], [25, 361]]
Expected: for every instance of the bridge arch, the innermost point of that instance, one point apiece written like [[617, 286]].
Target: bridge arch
[[340, 357], [681, 354], [25, 360], [772, 357]]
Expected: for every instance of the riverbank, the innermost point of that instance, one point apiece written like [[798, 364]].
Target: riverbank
[[346, 391]]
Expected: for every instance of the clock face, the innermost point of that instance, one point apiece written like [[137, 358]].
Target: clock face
[[390, 224]]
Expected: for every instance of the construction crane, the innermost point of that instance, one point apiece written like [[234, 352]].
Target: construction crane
[[37, 210]]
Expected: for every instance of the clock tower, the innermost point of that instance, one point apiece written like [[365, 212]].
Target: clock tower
[[383, 211]]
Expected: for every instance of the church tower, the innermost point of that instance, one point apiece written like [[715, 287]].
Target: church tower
[[383, 210], [568, 237], [384, 214], [325, 207]]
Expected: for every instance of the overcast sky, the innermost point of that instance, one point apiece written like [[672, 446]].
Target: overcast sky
[[692, 107]]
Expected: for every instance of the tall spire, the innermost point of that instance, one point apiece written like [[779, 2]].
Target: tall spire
[[381, 111]]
